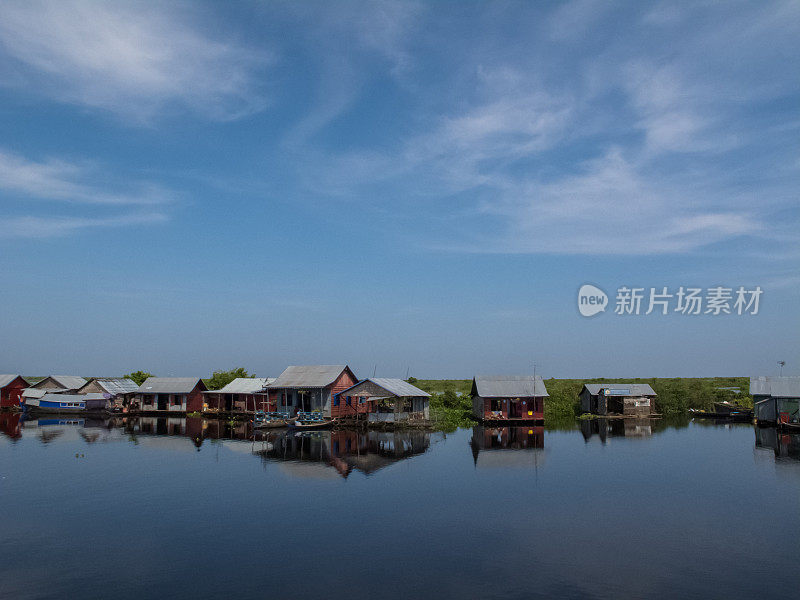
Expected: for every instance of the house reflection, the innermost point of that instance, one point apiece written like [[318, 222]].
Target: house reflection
[[606, 428], [507, 446], [10, 424], [783, 445], [323, 453]]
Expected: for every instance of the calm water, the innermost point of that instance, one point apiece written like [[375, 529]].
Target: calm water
[[183, 509]]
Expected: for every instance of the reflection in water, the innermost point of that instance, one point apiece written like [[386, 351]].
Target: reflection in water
[[606, 428], [784, 445], [313, 453], [521, 446]]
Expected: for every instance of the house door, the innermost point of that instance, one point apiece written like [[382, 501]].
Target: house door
[[162, 401], [514, 409], [228, 402]]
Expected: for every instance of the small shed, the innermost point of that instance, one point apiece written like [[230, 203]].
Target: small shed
[[312, 387], [241, 394], [119, 390], [170, 394], [60, 384], [776, 400], [508, 398], [629, 399], [11, 387], [387, 400]]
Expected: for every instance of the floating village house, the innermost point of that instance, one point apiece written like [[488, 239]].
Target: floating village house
[[312, 388], [241, 394], [175, 394], [629, 399], [60, 384], [11, 387], [776, 400], [119, 390], [508, 398], [386, 400], [53, 384]]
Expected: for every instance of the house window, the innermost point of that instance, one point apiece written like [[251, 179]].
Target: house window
[[336, 400], [176, 400], [148, 399], [361, 400], [349, 400]]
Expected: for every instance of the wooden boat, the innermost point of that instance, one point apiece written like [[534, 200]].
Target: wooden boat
[[269, 424], [310, 421]]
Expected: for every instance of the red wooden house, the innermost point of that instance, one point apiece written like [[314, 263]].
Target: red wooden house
[[508, 398], [310, 388], [170, 394], [11, 387]]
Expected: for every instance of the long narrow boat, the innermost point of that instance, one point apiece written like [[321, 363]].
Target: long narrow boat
[[67, 403], [310, 421]]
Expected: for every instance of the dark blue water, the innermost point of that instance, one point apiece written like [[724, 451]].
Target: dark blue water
[[177, 509]]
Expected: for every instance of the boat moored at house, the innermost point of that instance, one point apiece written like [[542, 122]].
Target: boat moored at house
[[68, 403], [508, 398]]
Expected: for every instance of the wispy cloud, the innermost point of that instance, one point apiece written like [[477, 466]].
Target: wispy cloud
[[133, 59], [39, 227], [86, 188], [56, 179], [658, 133]]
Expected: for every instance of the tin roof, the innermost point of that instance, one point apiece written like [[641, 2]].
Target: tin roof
[[244, 385], [309, 376], [6, 379], [636, 389], [117, 385], [169, 385], [777, 387], [396, 387], [69, 382], [508, 386]]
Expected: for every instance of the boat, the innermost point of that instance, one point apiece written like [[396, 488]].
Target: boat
[[66, 403], [724, 410], [310, 421]]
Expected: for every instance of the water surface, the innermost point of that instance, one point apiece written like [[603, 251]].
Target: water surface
[[187, 508]]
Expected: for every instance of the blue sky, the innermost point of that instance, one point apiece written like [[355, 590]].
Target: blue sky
[[396, 185]]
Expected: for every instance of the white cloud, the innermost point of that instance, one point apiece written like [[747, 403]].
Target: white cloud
[[55, 179], [39, 227], [133, 59]]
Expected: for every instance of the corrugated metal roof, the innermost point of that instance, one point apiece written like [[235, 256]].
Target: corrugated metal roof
[[6, 379], [396, 387], [169, 385], [245, 385], [637, 389], [308, 376], [776, 387], [509, 386], [69, 382], [116, 386]]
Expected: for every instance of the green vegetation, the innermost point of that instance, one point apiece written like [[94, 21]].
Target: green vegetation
[[138, 377], [222, 378], [451, 405]]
